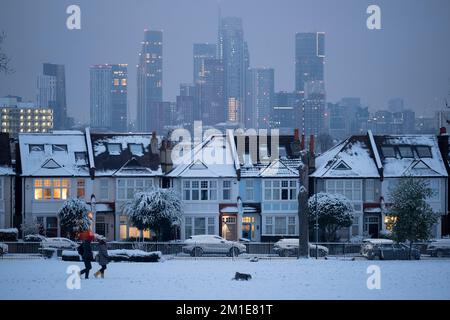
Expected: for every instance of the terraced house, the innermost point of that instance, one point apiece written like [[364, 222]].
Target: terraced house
[[7, 185]]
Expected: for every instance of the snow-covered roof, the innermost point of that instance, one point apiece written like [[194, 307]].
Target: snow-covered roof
[[415, 165], [58, 154], [125, 154], [350, 158], [367, 157], [213, 158]]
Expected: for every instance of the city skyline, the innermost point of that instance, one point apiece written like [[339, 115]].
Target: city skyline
[[348, 74]]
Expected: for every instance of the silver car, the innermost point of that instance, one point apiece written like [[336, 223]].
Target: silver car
[[198, 245]]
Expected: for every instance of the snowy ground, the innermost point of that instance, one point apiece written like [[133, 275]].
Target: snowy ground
[[211, 279]]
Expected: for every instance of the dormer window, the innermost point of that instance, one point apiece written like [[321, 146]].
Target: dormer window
[[114, 149], [136, 149], [81, 157], [405, 152], [59, 147], [36, 148], [424, 151], [388, 151]]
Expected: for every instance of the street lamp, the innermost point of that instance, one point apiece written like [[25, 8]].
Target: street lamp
[[316, 225], [93, 210]]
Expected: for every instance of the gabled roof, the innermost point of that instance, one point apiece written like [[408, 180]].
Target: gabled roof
[[351, 158], [54, 154], [6, 167], [212, 158], [362, 157], [125, 154]]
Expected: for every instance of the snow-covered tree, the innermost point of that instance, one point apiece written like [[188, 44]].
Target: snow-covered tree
[[334, 212], [73, 216], [30, 226], [413, 217], [157, 210]]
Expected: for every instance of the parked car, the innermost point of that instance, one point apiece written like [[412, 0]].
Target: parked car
[[59, 243], [198, 245], [439, 248], [3, 248], [289, 248], [385, 249], [34, 238]]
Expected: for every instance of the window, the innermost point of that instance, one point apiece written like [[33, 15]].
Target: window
[[59, 147], [188, 227], [126, 188], [349, 188], [280, 190], [280, 225], [405, 152], [370, 190], [80, 188], [269, 225], [81, 157], [114, 149], [104, 189], [36, 148], [249, 190], [388, 151], [203, 190], [226, 190], [434, 184], [199, 226], [291, 225], [51, 189], [49, 225], [136, 149], [424, 151]]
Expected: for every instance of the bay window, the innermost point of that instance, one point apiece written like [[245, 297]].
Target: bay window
[[126, 188], [198, 226], [199, 190], [51, 189], [280, 225], [280, 190]]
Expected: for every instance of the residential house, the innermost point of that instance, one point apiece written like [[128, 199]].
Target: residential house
[[52, 168], [7, 178], [365, 168], [122, 164]]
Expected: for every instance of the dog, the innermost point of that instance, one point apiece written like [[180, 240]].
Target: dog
[[242, 276]]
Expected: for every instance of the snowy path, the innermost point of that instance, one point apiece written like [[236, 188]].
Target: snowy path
[[211, 279]]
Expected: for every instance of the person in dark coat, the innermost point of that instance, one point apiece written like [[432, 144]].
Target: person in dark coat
[[102, 258], [87, 257]]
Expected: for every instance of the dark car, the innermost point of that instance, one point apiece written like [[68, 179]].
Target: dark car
[[384, 249], [439, 248]]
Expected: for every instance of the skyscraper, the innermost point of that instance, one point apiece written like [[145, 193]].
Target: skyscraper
[[309, 58], [231, 51], [108, 97], [53, 86], [149, 79], [202, 51], [313, 109], [210, 90], [259, 99], [285, 113]]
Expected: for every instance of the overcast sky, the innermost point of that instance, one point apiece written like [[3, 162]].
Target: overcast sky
[[409, 57]]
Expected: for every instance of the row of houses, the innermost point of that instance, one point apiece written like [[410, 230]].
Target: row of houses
[[232, 185]]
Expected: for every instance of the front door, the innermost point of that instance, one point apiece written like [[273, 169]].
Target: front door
[[229, 227], [372, 225]]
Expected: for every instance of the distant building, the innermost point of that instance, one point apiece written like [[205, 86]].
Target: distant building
[[187, 90], [108, 97], [232, 52], [52, 92], [149, 78], [313, 111], [396, 105], [285, 113], [309, 58], [185, 110], [202, 51], [259, 98], [23, 117]]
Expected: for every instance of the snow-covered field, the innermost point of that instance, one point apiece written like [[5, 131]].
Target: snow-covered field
[[211, 279]]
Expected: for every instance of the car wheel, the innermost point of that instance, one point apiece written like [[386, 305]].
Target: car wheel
[[198, 252], [234, 252], [439, 253]]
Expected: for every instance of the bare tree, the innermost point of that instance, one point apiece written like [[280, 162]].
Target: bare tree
[[4, 59]]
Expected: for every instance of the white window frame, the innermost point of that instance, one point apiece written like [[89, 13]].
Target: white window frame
[[288, 228], [52, 187], [131, 186], [249, 190], [273, 189], [209, 226], [226, 187], [345, 187], [199, 190], [104, 187]]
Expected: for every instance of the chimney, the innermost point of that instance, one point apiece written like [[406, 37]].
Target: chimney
[[442, 131], [302, 143], [296, 136], [154, 143]]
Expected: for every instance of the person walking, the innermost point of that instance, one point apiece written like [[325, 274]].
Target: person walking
[[102, 258], [87, 257]]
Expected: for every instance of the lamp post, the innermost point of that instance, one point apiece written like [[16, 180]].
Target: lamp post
[[93, 210], [316, 225]]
